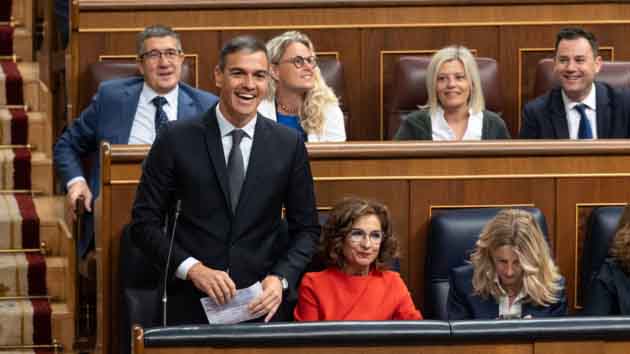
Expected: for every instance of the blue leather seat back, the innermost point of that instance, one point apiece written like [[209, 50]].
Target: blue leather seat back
[[602, 224], [452, 237]]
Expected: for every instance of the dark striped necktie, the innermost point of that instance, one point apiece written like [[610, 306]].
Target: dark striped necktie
[[160, 116]]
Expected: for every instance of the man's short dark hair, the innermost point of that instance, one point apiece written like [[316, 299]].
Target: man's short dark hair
[[237, 44], [155, 31], [570, 33]]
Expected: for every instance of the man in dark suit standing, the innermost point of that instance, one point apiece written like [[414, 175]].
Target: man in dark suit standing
[[233, 171], [127, 111], [580, 108]]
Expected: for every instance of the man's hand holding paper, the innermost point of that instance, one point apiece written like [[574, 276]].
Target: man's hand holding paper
[[236, 310]]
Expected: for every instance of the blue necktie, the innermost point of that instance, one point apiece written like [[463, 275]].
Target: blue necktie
[[584, 131], [236, 167], [160, 116]]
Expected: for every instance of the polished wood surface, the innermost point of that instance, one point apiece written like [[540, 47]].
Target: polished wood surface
[[367, 35], [564, 179], [139, 4], [555, 347]]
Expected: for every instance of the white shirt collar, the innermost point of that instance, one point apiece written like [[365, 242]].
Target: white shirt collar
[[148, 94], [590, 100], [440, 131], [225, 127], [505, 309]]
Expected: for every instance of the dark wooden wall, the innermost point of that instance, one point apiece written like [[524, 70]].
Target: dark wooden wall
[[367, 36]]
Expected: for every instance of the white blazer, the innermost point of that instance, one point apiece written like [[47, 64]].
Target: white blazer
[[334, 127]]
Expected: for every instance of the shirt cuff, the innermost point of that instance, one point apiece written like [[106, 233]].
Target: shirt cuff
[[75, 180], [184, 267]]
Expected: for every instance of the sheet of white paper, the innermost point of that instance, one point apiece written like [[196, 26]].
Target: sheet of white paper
[[236, 310]]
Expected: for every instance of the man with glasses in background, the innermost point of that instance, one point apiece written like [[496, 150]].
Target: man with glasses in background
[[127, 111]]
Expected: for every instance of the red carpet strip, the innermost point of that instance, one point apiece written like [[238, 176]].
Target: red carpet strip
[[13, 79], [22, 168], [6, 40], [5, 10], [36, 274], [42, 320], [19, 126], [30, 221]]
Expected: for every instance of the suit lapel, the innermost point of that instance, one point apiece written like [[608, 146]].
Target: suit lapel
[[257, 159], [214, 146], [558, 115], [185, 105], [602, 110], [128, 107], [490, 307]]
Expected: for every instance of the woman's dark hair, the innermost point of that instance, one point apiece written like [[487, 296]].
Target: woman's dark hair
[[620, 247], [339, 223]]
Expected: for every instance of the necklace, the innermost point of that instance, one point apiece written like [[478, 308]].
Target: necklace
[[288, 110]]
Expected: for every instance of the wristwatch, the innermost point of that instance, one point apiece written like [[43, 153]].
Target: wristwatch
[[283, 281]]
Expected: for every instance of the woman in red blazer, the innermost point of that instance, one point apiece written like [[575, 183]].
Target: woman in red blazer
[[357, 245]]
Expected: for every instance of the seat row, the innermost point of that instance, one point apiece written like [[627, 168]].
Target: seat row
[[409, 84], [408, 90], [453, 234]]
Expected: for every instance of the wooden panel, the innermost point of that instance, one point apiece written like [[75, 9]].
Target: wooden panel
[[468, 348], [464, 193], [355, 16], [577, 347]]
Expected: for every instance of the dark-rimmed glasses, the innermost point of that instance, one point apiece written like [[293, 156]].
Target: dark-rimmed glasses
[[358, 235], [155, 54], [300, 61]]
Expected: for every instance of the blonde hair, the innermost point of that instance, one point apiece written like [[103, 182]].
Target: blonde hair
[[475, 102], [620, 248], [312, 118], [518, 229]]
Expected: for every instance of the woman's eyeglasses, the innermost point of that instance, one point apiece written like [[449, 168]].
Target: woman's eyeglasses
[[155, 55], [300, 61], [358, 235]]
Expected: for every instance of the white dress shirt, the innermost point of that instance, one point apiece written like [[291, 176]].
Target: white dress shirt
[[573, 116], [440, 131], [225, 127], [143, 127], [507, 311]]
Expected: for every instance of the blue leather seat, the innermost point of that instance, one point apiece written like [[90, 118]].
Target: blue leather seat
[[602, 224], [452, 237]]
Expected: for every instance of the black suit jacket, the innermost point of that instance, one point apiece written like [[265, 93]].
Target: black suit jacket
[[463, 304], [609, 293], [186, 162], [545, 117]]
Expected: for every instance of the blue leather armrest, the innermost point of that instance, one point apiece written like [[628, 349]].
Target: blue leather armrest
[[611, 327]]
